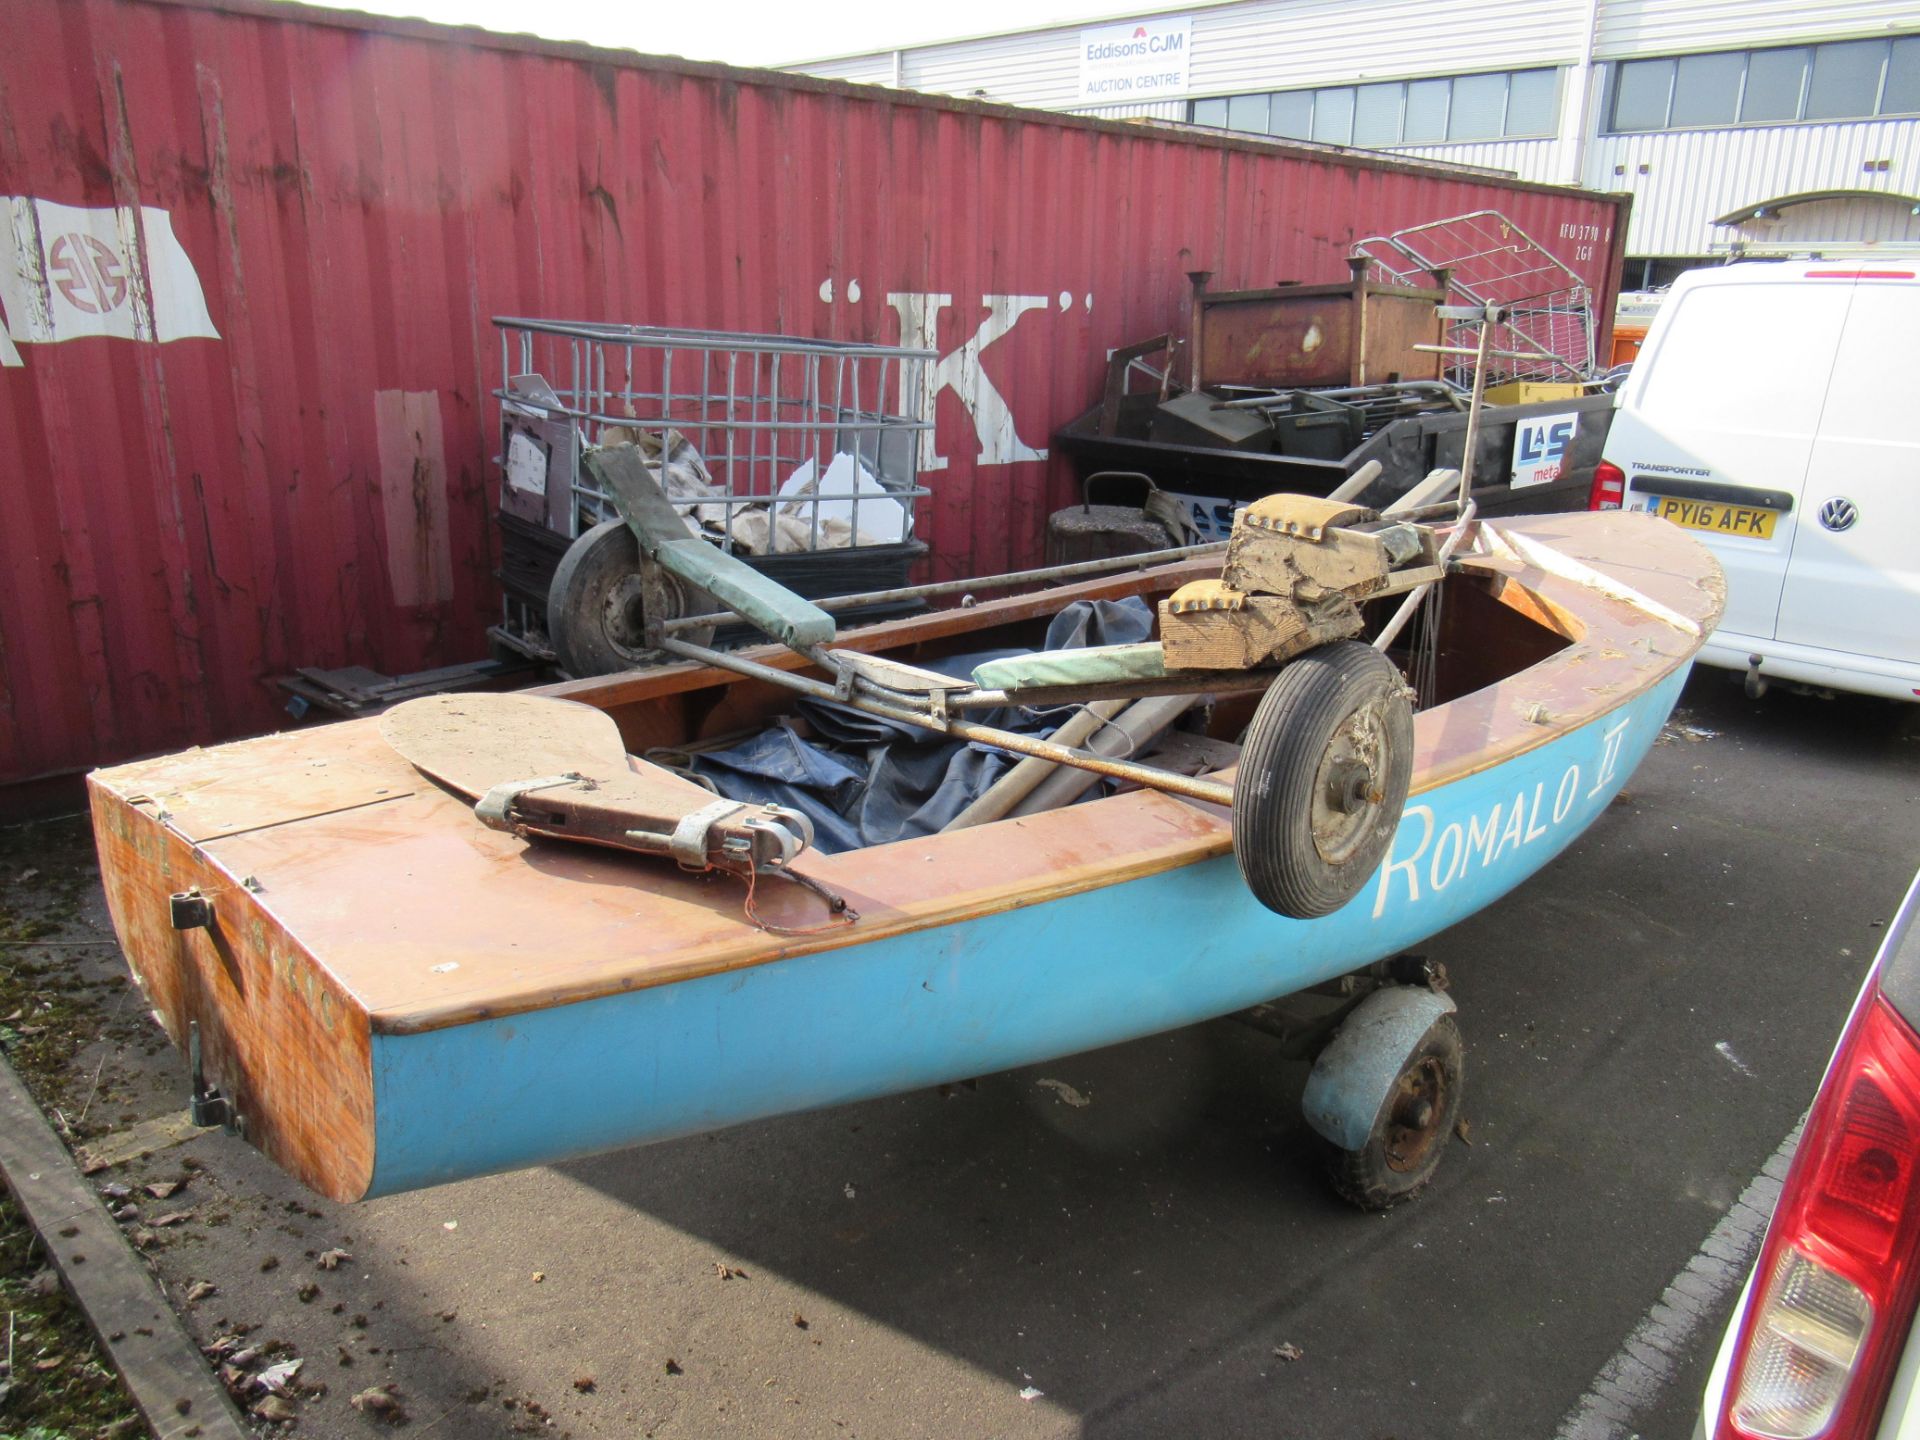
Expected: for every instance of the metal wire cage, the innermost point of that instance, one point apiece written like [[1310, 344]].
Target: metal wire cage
[[801, 456], [769, 444], [1488, 260]]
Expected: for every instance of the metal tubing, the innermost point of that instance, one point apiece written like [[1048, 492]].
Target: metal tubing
[[1133, 728], [1477, 404], [1223, 682], [1210, 792], [1391, 630], [1112, 563], [1394, 387], [1019, 782]]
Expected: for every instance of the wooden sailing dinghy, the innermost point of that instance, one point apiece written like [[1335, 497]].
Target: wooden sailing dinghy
[[388, 990]]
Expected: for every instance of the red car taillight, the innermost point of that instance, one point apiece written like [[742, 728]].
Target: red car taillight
[[1609, 489], [1836, 1281]]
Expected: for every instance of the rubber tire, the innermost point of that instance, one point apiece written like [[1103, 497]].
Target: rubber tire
[[1295, 723], [1364, 1177], [601, 562]]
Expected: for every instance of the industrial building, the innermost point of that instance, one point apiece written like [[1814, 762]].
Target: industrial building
[[1752, 127]]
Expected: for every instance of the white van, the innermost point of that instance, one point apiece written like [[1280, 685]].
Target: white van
[[1775, 408]]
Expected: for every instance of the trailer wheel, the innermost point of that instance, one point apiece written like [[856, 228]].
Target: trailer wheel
[[1408, 1139], [1323, 778], [601, 599]]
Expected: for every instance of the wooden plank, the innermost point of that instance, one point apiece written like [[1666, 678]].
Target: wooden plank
[[157, 1360], [162, 1132]]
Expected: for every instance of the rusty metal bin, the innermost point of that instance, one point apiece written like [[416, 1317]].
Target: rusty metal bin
[[1360, 332]]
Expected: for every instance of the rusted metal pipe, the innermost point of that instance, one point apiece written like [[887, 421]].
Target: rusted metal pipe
[[1021, 781], [1114, 563], [1391, 630]]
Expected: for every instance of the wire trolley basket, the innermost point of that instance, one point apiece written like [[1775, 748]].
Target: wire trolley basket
[[800, 456]]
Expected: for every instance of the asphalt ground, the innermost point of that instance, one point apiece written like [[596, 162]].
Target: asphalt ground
[[1646, 1020]]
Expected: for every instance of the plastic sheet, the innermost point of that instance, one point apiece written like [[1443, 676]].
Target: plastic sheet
[[865, 781]]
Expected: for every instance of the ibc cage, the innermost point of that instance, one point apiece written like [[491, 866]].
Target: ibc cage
[[801, 456]]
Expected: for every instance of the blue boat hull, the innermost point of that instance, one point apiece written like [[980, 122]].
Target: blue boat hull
[[973, 997]]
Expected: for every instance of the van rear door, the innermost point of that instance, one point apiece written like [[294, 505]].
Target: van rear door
[[1717, 423], [1853, 576]]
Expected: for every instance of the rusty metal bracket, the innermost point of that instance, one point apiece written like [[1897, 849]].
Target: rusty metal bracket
[[209, 1107], [495, 808], [688, 842], [189, 910]]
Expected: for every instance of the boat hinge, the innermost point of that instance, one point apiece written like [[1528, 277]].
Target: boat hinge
[[207, 1105]]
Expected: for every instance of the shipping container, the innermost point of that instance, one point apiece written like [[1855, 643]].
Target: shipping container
[[247, 368]]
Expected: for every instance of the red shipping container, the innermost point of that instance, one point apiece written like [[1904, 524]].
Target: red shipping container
[[248, 358]]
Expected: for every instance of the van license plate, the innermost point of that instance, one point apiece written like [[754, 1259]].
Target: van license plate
[[1752, 521]]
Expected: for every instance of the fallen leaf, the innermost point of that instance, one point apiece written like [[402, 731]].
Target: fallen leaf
[[1288, 1352], [274, 1408], [330, 1259], [1066, 1092], [1464, 1129], [308, 1293], [44, 1282], [583, 1383], [275, 1377], [246, 1357], [539, 1276], [381, 1400], [799, 1320], [673, 1367], [114, 1190], [52, 1362], [172, 1217], [30, 873], [161, 1189]]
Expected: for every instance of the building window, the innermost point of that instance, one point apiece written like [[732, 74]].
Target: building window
[[1842, 80], [1398, 112]]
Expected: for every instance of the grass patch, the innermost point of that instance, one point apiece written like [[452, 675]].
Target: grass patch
[[59, 1385]]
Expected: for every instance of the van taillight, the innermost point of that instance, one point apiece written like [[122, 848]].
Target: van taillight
[[1609, 489], [1834, 1288]]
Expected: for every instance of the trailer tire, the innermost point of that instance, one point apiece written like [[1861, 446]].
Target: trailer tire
[[1323, 777], [1411, 1133], [600, 601]]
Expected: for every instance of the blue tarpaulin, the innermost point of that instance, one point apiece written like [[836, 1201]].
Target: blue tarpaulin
[[863, 780]]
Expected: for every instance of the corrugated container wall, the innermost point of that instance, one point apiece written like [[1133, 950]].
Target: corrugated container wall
[[248, 382]]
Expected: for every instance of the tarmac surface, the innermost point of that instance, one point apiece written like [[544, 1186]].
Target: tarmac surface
[[1147, 1248]]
